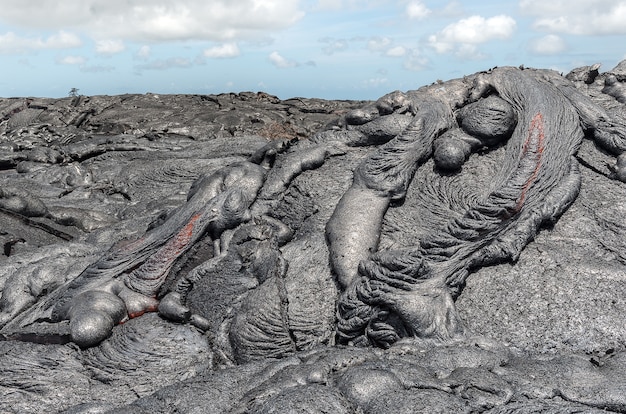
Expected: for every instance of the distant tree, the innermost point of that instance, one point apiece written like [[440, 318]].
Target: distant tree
[[73, 92]]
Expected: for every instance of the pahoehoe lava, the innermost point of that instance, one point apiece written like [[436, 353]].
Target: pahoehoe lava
[[239, 253]]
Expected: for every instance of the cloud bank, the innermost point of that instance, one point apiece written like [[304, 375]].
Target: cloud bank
[[417, 10], [226, 50], [281, 62], [589, 17], [548, 45], [13, 43], [149, 21], [463, 36]]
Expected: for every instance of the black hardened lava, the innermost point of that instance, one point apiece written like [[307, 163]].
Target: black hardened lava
[[410, 292], [538, 117], [281, 248], [537, 182], [387, 295]]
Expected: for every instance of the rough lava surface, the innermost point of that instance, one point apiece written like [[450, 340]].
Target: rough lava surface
[[238, 253]]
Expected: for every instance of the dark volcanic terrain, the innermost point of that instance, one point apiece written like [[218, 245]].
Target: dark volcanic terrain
[[82, 176]]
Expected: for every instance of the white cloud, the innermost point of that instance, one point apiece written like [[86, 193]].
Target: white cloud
[[281, 62], [452, 9], [375, 82], [109, 47], [377, 44], [539, 7], [590, 17], [417, 10], [144, 52], [385, 47], [468, 51], [12, 43], [226, 50], [333, 45], [165, 64], [334, 5], [328, 5], [72, 60], [548, 45], [471, 31], [62, 40], [156, 20], [415, 60], [397, 51]]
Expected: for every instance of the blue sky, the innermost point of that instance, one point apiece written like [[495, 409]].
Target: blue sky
[[334, 49]]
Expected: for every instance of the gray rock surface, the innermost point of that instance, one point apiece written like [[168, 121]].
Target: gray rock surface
[[248, 308]]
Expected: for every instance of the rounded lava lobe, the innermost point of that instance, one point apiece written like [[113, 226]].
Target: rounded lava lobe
[[615, 88], [384, 119], [361, 116], [92, 315], [450, 154], [171, 307], [483, 123], [21, 202], [392, 102], [90, 328], [136, 303], [491, 119], [101, 301], [362, 384]]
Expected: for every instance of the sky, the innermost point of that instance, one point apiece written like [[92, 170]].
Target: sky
[[331, 49]]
